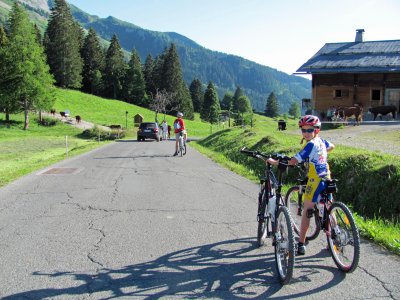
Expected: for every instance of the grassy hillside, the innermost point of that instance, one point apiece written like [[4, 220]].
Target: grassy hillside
[[110, 112], [369, 182]]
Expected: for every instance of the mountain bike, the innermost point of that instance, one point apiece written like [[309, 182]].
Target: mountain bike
[[334, 218], [273, 216], [181, 144]]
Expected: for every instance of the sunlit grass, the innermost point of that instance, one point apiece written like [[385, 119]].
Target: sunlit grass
[[24, 151]]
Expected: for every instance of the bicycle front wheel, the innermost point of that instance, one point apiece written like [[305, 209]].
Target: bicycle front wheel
[[343, 238], [295, 204], [263, 222], [284, 245]]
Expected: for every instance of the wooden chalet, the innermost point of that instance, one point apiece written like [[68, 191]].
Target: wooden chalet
[[344, 74]]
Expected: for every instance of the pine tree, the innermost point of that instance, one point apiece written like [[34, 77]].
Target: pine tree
[[115, 68], [272, 106], [7, 105], [294, 110], [211, 107], [197, 94], [63, 40], [26, 83], [3, 36], [134, 88], [244, 105], [157, 74], [93, 63], [236, 97], [39, 38], [227, 102], [171, 80], [148, 69]]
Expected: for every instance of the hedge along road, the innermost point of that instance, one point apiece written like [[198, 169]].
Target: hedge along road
[[130, 220]]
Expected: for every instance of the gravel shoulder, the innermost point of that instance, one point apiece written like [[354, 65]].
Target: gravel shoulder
[[383, 137]]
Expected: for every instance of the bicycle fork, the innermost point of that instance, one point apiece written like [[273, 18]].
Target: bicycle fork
[[299, 200]]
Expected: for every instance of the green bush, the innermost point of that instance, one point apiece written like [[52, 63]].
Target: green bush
[[47, 121], [99, 133], [369, 183]]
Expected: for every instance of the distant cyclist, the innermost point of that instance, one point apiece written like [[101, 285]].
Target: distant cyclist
[[179, 128]]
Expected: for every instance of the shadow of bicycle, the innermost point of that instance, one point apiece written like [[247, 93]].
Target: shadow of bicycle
[[233, 269]]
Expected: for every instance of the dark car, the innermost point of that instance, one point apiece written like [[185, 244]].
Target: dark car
[[149, 130]]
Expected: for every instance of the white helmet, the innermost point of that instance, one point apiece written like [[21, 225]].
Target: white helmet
[[179, 114]]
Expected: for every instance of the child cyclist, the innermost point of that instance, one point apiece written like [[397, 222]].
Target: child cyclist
[[315, 154]]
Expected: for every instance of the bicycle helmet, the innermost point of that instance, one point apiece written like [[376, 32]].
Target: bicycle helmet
[[310, 120], [179, 114]]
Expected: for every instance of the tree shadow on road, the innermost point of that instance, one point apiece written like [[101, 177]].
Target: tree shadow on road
[[234, 269]]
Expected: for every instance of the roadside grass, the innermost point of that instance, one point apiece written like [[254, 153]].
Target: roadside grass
[[25, 151], [223, 147]]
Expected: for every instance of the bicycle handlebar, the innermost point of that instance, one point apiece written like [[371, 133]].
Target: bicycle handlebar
[[283, 159]]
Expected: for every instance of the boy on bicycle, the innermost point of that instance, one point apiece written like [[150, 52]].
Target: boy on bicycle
[[179, 128], [315, 153]]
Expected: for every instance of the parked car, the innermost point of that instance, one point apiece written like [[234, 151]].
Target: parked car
[[149, 130]]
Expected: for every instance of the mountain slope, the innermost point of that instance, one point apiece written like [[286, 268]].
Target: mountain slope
[[226, 71]]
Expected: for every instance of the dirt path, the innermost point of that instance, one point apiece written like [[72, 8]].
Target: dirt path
[[379, 136], [72, 121]]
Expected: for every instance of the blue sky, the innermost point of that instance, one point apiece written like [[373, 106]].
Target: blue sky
[[282, 34]]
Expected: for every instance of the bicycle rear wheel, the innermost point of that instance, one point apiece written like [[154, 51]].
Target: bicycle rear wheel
[[284, 245], [263, 222], [344, 239], [292, 203]]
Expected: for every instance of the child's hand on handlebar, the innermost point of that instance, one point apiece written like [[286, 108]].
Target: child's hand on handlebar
[[293, 162], [272, 161]]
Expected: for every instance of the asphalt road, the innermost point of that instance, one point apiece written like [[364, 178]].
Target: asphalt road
[[129, 220]]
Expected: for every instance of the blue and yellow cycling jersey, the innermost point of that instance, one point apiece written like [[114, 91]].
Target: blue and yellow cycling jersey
[[316, 156], [315, 153]]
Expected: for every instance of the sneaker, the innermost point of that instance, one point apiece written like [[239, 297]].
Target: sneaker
[[175, 154], [301, 249]]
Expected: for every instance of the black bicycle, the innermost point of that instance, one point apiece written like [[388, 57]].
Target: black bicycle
[[273, 216], [334, 218]]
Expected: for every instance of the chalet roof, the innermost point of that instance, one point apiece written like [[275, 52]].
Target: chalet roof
[[355, 57]]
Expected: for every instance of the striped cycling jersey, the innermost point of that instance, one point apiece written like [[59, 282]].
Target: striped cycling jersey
[[315, 153]]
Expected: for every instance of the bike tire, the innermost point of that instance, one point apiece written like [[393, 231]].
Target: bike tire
[[184, 148], [284, 245], [291, 202], [263, 222], [343, 237]]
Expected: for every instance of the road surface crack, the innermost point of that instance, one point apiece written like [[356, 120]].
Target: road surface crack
[[91, 254], [380, 281]]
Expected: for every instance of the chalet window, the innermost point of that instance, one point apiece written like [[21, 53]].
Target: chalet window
[[340, 93], [376, 95]]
